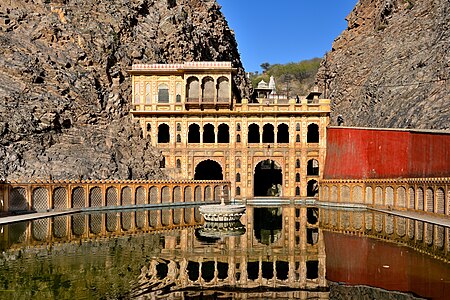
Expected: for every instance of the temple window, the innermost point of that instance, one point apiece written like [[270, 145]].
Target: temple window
[[297, 177], [238, 127], [178, 93], [147, 93], [238, 177], [253, 133], [178, 127], [283, 133], [208, 89], [297, 127], [194, 133], [223, 90], [223, 135], [238, 138], [136, 93], [178, 164], [313, 167], [163, 133], [268, 133], [297, 163], [163, 93], [313, 133], [297, 138], [178, 138], [208, 134], [238, 191], [193, 89], [297, 191]]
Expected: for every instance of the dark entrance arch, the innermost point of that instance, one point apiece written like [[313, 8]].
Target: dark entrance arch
[[208, 170], [268, 180]]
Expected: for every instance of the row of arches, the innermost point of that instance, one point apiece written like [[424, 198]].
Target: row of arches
[[414, 232], [42, 198], [113, 222], [209, 134], [426, 199], [208, 90]]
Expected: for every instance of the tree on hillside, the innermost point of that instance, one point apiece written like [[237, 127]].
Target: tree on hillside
[[265, 66], [301, 76]]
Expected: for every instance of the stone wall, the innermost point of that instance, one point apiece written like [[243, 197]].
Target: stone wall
[[64, 90], [390, 67]]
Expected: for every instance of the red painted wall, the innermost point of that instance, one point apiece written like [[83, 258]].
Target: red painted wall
[[364, 261], [361, 153]]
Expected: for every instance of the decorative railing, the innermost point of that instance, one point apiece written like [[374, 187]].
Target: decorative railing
[[430, 195], [61, 195]]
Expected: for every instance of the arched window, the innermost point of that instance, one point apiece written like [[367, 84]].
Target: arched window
[[223, 90], [297, 191], [297, 138], [137, 94], [208, 89], [148, 94], [268, 134], [313, 167], [238, 163], [297, 127], [194, 133], [238, 127], [178, 164], [163, 133], [163, 93], [223, 134], [192, 89], [313, 133], [297, 163], [178, 138], [312, 189], [238, 177], [238, 191], [297, 177], [253, 133], [178, 127], [149, 127], [208, 134], [283, 133], [238, 138], [178, 93]]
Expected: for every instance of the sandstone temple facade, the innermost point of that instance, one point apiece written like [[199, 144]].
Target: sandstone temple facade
[[266, 146]]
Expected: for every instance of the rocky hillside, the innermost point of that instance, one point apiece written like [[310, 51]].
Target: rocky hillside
[[391, 67], [64, 90]]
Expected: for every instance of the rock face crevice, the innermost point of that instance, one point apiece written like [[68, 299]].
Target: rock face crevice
[[391, 66], [64, 89]]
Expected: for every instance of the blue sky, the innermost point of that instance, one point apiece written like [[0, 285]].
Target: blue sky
[[284, 31]]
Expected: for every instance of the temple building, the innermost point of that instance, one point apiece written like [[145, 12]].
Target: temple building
[[266, 147]]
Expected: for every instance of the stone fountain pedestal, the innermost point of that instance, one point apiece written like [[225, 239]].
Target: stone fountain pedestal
[[222, 212]]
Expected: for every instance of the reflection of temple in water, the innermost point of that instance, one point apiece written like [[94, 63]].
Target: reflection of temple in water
[[281, 248], [279, 253], [276, 252]]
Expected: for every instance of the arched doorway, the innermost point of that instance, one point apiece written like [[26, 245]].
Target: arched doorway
[[268, 180], [268, 224], [208, 170]]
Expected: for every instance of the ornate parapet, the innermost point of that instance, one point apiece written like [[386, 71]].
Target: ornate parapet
[[419, 194], [57, 195]]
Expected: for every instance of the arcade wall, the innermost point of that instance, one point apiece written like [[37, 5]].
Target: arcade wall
[[372, 153]]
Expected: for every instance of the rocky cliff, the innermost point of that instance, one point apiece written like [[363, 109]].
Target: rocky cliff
[[391, 66], [64, 90]]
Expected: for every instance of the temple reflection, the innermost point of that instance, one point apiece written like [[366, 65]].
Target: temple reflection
[[273, 252]]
